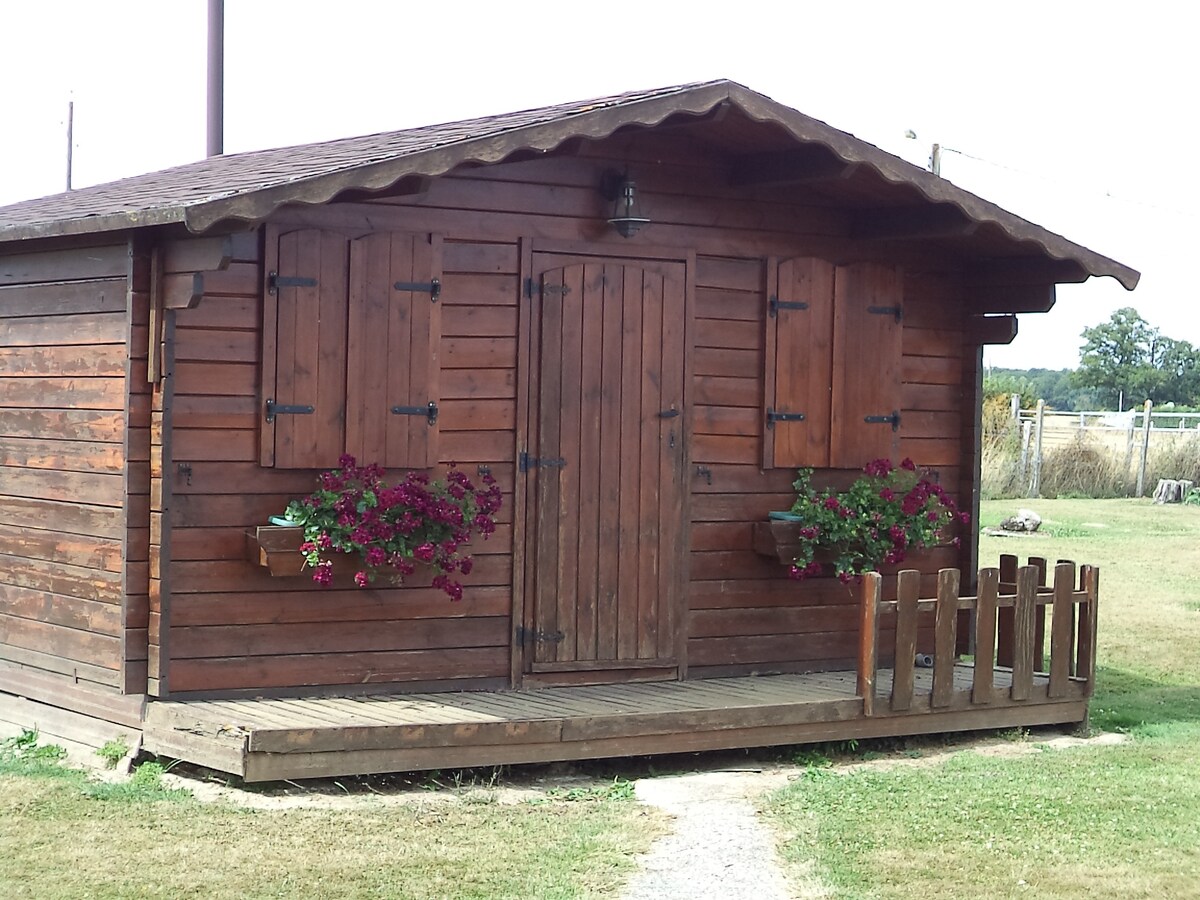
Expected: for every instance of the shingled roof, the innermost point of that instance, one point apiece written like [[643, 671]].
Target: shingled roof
[[250, 186]]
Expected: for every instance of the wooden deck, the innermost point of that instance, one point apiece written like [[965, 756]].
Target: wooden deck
[[270, 739]]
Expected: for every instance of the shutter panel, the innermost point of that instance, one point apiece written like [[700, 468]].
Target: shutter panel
[[394, 332], [799, 330], [868, 300], [306, 306]]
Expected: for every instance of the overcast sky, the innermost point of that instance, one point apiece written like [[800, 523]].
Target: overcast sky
[[1071, 114]]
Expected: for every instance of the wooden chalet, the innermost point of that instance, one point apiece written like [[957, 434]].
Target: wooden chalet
[[182, 352]]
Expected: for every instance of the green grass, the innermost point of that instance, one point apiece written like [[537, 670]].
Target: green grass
[[64, 835], [1101, 821]]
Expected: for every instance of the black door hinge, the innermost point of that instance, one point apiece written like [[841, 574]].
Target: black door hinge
[[275, 281], [536, 286], [775, 305], [774, 416], [279, 409], [432, 288], [894, 311], [537, 636], [528, 462], [893, 420], [429, 411]]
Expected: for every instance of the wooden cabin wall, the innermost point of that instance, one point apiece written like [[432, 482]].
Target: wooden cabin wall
[[66, 320], [232, 628]]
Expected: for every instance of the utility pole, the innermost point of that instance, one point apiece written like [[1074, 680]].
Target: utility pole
[[935, 160], [70, 139], [216, 77]]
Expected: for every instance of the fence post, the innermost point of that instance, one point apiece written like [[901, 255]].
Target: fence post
[[1014, 407], [1035, 485], [868, 640], [1148, 418], [1129, 447]]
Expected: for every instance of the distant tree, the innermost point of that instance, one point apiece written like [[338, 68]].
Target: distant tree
[[1127, 361]]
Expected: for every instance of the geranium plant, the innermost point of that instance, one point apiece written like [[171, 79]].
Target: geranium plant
[[418, 521], [886, 513]]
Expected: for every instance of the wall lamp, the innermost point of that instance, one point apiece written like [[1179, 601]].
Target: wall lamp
[[621, 191]]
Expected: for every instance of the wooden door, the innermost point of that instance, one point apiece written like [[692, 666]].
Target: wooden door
[[607, 455]]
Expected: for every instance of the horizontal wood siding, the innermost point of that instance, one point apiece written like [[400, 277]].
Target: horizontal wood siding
[[65, 326], [742, 613], [232, 627]]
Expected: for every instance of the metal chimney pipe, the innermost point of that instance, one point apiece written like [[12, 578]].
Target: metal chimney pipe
[[216, 77]]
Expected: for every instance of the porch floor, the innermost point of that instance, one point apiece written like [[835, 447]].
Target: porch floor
[[270, 739]]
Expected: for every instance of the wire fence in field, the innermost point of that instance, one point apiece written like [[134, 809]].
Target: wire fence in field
[[1047, 453]]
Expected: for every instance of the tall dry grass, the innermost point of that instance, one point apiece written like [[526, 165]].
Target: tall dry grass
[[1085, 467]]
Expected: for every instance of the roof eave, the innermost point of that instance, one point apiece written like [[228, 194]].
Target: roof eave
[[94, 224]]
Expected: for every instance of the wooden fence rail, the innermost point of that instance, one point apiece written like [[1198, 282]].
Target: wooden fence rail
[[1008, 622]]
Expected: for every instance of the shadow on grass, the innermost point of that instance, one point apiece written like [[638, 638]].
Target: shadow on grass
[[1125, 700]]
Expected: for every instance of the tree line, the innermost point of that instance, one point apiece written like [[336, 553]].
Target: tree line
[[1122, 363]]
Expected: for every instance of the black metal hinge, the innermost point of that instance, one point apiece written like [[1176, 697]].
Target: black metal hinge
[[774, 416], [893, 420], [278, 409], [894, 311], [537, 636], [774, 305], [533, 285], [275, 281], [528, 462], [433, 288], [429, 411]]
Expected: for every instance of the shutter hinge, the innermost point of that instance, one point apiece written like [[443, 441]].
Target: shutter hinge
[[773, 416], [528, 462], [429, 411], [433, 288], [774, 305], [533, 285], [893, 419], [537, 636], [275, 281], [886, 311], [279, 409]]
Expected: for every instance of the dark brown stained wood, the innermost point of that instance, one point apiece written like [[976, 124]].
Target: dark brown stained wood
[[75, 264], [392, 353], [482, 384], [89, 648], [493, 293], [912, 223], [336, 668], [868, 641], [1085, 668], [62, 578], [985, 635], [1039, 618], [235, 312], [482, 258], [62, 299], [865, 390], [200, 254], [706, 623], [728, 391], [91, 700], [60, 609], [310, 367], [1017, 298], [205, 345], [98, 488], [908, 588], [803, 359], [611, 512], [54, 546], [336, 637], [1028, 580], [991, 329], [182, 291], [1062, 626], [944, 637], [478, 321], [808, 164], [72, 518], [724, 305], [215, 379], [1004, 616], [479, 353]]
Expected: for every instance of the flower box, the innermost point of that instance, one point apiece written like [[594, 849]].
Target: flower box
[[778, 539], [277, 549]]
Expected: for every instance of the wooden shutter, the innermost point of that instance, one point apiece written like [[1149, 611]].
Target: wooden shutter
[[394, 331], [304, 350], [799, 332], [868, 301]]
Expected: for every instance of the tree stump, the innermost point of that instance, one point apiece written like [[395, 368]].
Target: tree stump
[[1170, 490]]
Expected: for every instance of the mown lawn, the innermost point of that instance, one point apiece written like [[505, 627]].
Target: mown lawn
[[1103, 821], [63, 836]]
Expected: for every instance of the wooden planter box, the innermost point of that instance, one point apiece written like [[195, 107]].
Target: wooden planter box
[[276, 548], [777, 539]]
